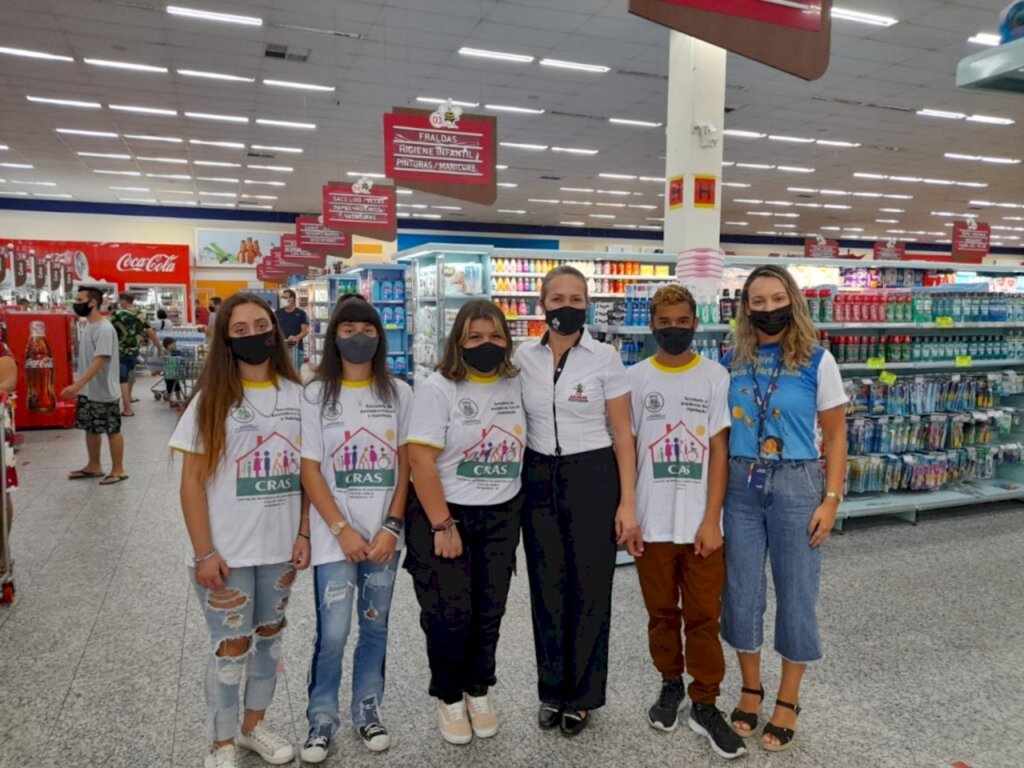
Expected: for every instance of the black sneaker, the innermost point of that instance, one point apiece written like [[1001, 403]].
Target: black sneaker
[[315, 749], [706, 720], [549, 716], [664, 715], [375, 737]]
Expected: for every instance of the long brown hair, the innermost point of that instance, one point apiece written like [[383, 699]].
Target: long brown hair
[[799, 340], [220, 384], [452, 366], [353, 308]]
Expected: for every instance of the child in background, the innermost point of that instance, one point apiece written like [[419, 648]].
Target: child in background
[[174, 395]]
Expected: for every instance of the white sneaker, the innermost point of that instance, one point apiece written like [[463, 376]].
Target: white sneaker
[[482, 716], [268, 745], [315, 749], [223, 757], [455, 727]]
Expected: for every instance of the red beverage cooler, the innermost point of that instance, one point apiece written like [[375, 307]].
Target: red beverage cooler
[[42, 344]]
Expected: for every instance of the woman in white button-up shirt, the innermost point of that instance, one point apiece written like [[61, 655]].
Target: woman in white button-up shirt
[[580, 499]]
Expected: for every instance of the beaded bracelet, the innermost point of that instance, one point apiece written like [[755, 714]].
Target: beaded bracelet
[[444, 525], [205, 557]]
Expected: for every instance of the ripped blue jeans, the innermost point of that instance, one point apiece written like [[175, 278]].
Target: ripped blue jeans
[[338, 586], [250, 607]]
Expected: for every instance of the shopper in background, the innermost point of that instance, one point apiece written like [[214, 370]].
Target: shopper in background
[[294, 324], [681, 423], [580, 499], [97, 389], [466, 442], [173, 385], [356, 473], [162, 323], [131, 325], [201, 314], [246, 518], [215, 303], [780, 503]]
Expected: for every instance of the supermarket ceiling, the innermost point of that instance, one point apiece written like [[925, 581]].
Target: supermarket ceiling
[[200, 140]]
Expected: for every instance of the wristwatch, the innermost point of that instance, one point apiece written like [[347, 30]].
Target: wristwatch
[[833, 495], [338, 527]]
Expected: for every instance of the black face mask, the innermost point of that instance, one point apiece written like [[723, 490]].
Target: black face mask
[[254, 349], [674, 341], [484, 358], [774, 321], [82, 308], [358, 348], [565, 320]]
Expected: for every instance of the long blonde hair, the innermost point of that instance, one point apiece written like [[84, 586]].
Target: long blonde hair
[[799, 340]]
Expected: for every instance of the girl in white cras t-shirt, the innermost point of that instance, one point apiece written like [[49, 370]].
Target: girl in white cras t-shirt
[[241, 495]]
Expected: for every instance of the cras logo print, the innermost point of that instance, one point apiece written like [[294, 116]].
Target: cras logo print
[[269, 469], [365, 460], [679, 453], [497, 455]]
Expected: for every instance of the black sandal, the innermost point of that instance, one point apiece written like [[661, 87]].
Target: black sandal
[[748, 718], [784, 735]]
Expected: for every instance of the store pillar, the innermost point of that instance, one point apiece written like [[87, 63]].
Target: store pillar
[[693, 141]]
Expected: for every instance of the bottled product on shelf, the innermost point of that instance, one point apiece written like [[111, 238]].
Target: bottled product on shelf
[[924, 349], [936, 393]]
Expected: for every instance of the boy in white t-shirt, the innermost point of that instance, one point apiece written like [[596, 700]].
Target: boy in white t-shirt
[[681, 423]]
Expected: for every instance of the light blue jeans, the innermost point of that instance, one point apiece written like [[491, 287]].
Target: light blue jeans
[[772, 522], [339, 586], [253, 599]]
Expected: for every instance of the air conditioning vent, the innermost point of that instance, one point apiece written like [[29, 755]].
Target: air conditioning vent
[[633, 73], [551, 178], [274, 51], [261, 155]]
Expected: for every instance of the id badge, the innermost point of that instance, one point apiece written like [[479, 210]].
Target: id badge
[[758, 477]]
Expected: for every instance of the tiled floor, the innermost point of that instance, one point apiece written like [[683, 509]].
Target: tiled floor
[[101, 657]]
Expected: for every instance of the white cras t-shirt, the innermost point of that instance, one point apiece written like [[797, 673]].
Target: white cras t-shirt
[[480, 427], [255, 495], [356, 440], [676, 411]]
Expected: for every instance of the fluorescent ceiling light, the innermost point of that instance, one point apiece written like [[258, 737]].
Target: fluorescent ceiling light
[[892, 210], [625, 176], [542, 200], [126, 65], [299, 86], [870, 176], [737, 184], [217, 118], [755, 166], [216, 164], [148, 137], [215, 76], [265, 183], [507, 184], [560, 64], [259, 197], [759, 213], [447, 207], [616, 192], [795, 169], [116, 173], [35, 183], [217, 179], [224, 144], [24, 53], [738, 223], [989, 119], [501, 167], [625, 226], [638, 123], [218, 205], [485, 54], [576, 202], [144, 110], [847, 14], [218, 194], [11, 192], [659, 179], [985, 38], [367, 174], [517, 211], [611, 205], [65, 102], [150, 200], [432, 100], [172, 176], [517, 145], [791, 139], [887, 221], [285, 123], [941, 113], [939, 182], [585, 190], [256, 206], [743, 134], [93, 134], [574, 150], [781, 203], [107, 155], [21, 166], [507, 108], [867, 194], [649, 226], [171, 160], [572, 223], [277, 168], [802, 190], [270, 148], [61, 195], [227, 18], [836, 207], [831, 143], [130, 189], [426, 215], [643, 207], [784, 226], [898, 197]]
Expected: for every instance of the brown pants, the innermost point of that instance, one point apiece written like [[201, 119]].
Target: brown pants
[[667, 573]]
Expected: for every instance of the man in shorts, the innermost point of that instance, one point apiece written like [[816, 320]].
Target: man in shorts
[[97, 389], [131, 325]]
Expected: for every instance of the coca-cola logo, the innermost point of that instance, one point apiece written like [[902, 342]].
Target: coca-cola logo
[[159, 262], [39, 362]]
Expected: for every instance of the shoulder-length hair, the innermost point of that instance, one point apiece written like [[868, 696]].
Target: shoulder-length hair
[[353, 308], [219, 388], [799, 340], [452, 366]]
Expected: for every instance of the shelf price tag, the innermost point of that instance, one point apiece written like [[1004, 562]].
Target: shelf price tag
[[944, 322], [964, 361], [732, 324], [876, 363], [888, 378]]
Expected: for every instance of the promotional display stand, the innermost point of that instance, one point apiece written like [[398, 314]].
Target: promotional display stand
[[932, 354], [43, 346]]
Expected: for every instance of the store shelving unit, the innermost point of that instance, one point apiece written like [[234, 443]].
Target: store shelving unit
[[1008, 482], [312, 296], [384, 286]]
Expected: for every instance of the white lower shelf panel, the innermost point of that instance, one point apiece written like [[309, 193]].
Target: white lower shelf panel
[[978, 492]]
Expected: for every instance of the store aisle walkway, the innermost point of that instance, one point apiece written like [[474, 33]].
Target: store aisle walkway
[[100, 659]]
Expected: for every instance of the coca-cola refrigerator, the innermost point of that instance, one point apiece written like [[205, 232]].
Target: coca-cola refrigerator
[[42, 344]]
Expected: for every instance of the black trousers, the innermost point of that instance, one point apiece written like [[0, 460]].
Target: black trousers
[[462, 600], [569, 538]]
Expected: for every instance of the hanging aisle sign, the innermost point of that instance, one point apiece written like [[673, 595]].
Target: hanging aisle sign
[[312, 235], [821, 249], [295, 255], [442, 152], [794, 37], [890, 251], [971, 241], [360, 209]]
